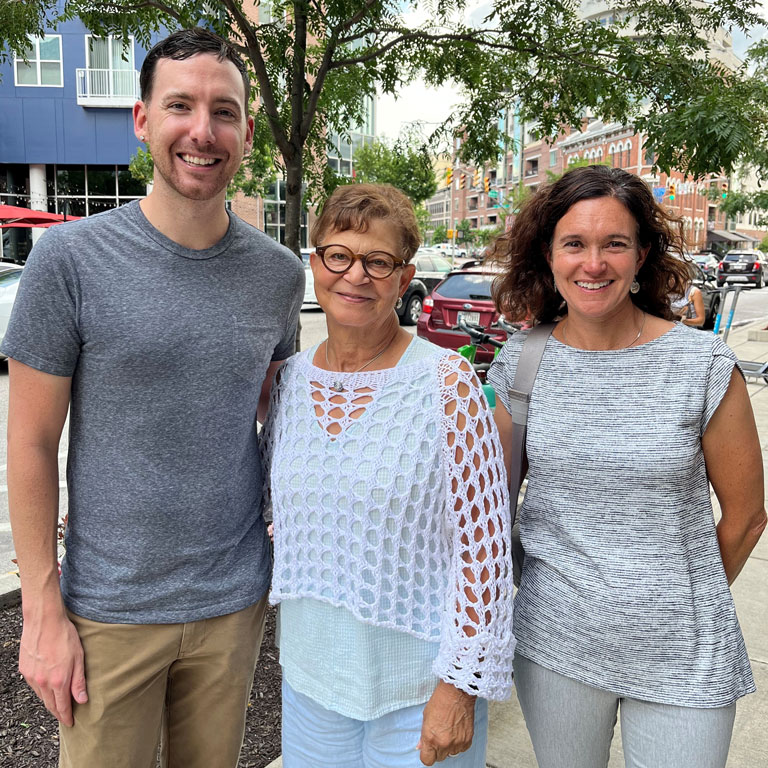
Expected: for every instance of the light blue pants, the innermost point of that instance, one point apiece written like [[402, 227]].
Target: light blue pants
[[571, 725], [315, 737]]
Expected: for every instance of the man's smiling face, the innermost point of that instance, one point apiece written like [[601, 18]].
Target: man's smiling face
[[196, 124]]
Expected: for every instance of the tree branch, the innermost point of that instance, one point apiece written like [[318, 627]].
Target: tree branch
[[266, 94]]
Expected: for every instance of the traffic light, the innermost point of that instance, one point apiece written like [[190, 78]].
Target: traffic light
[[487, 183], [672, 190], [462, 181], [449, 234], [724, 190], [448, 176], [476, 179]]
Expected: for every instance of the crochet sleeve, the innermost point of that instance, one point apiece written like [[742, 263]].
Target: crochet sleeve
[[476, 639]]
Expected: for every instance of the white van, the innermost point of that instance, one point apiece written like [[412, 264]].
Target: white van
[[447, 248]]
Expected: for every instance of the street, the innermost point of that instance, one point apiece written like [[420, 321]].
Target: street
[[752, 305]]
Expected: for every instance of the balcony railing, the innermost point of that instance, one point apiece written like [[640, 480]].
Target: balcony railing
[[107, 87]]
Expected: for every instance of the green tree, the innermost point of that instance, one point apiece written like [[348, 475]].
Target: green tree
[[439, 234], [314, 62], [404, 163], [424, 219], [465, 232]]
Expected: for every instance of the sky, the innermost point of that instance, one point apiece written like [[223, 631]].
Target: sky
[[417, 103]]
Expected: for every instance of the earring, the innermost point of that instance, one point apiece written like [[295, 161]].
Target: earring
[[143, 139], [399, 303], [634, 287]]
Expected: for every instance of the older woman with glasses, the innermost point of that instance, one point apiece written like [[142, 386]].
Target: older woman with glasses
[[392, 559]]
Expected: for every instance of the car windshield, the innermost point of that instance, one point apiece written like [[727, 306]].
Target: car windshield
[[739, 257], [9, 278], [466, 286], [441, 264]]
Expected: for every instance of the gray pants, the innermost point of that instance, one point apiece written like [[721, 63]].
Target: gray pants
[[571, 725]]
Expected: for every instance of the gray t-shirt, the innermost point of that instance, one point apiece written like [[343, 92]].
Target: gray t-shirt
[[623, 586], [167, 349]]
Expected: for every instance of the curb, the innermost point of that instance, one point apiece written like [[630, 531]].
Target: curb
[[10, 591]]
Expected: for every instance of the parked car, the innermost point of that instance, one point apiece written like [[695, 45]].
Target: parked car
[[9, 283], [309, 280], [746, 266], [707, 262], [431, 268], [463, 294]]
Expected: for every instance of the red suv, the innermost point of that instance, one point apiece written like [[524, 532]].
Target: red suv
[[463, 294]]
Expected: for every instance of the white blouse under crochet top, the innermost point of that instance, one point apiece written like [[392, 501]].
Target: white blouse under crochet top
[[414, 539]]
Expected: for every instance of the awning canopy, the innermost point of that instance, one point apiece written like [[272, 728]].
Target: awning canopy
[[724, 234], [15, 216], [743, 236]]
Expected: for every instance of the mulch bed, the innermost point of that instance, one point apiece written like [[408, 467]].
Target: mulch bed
[[29, 735]]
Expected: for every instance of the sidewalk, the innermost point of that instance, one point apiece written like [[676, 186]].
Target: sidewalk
[[508, 742]]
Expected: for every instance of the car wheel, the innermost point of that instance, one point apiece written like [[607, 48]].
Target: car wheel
[[759, 283], [412, 310]]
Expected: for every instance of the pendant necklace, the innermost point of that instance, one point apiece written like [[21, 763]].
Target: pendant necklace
[[337, 386], [631, 343]]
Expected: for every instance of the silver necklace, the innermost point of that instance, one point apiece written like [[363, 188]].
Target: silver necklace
[[631, 343], [337, 386]]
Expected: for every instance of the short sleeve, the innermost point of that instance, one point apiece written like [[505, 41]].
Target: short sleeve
[[43, 330], [287, 345], [501, 374], [718, 379]]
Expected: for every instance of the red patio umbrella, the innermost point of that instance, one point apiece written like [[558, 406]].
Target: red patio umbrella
[[15, 216]]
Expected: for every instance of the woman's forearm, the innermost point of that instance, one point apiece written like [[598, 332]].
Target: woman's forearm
[[737, 538]]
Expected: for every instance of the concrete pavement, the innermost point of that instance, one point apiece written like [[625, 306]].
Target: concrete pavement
[[508, 743]]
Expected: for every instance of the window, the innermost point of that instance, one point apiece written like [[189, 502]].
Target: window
[[109, 62], [43, 66], [552, 157]]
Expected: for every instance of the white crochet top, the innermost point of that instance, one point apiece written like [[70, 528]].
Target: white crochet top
[[414, 539]]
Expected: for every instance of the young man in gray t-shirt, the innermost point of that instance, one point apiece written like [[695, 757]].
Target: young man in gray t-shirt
[[159, 325]]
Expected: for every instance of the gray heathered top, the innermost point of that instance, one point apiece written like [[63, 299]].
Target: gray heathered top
[[167, 349], [623, 586]]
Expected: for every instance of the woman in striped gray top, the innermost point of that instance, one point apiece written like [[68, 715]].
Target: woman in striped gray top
[[624, 603]]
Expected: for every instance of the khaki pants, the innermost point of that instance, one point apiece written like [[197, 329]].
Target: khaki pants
[[183, 685]]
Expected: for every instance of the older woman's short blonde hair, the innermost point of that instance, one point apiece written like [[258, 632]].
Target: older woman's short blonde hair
[[355, 206]]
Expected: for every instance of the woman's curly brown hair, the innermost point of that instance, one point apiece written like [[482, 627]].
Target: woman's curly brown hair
[[526, 289]]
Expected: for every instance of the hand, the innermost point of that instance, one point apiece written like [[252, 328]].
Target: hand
[[271, 532], [448, 724], [51, 661]]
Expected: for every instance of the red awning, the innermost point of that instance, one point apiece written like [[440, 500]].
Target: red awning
[[15, 216]]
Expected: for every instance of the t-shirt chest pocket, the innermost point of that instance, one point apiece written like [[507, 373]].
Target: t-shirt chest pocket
[[252, 344]]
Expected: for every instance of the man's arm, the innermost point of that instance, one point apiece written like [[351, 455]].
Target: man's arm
[[266, 387], [51, 656]]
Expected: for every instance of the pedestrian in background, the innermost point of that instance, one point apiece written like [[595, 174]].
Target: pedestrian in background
[[159, 326], [624, 603], [392, 559], [688, 307]]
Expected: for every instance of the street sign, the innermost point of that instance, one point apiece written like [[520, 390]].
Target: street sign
[[493, 193], [658, 193]]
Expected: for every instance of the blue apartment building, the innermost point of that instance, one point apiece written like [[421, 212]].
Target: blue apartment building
[[66, 127]]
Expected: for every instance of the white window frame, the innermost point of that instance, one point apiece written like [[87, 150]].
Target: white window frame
[[111, 39], [35, 41]]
